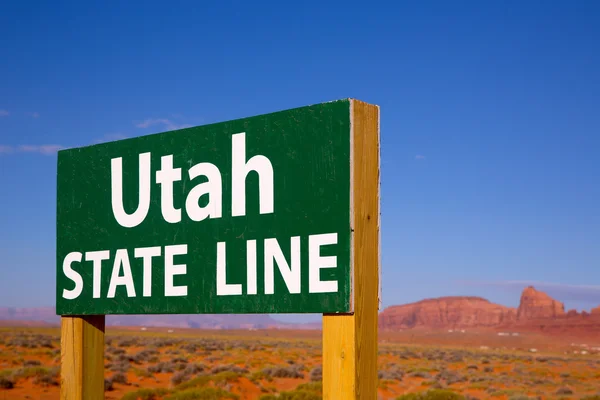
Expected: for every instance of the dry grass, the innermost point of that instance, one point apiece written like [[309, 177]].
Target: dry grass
[[275, 365]]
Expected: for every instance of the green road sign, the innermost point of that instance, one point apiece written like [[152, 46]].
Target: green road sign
[[245, 216]]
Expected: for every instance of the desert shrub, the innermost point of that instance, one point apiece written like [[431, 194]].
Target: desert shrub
[[164, 342], [179, 377], [180, 366], [450, 377], [456, 379], [146, 355], [433, 394], [488, 369], [32, 363], [420, 374], [315, 387], [541, 382], [563, 391], [393, 373], [306, 391], [44, 341], [478, 379], [193, 369], [208, 393], [211, 345], [120, 367], [316, 374], [503, 392], [142, 373], [293, 395], [293, 371], [228, 368], [123, 358], [145, 394], [520, 397], [115, 351], [31, 341], [164, 367], [49, 379], [199, 381], [189, 347], [6, 383], [180, 360], [35, 372], [41, 375], [258, 375], [119, 378], [108, 385], [406, 354], [434, 355], [472, 367], [454, 358], [219, 379], [5, 373]]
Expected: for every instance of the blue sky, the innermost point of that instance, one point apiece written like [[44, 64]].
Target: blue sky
[[489, 118]]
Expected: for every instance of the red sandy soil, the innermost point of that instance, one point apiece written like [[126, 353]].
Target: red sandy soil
[[480, 359]]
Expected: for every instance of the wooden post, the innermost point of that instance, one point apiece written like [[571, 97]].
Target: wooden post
[[350, 341], [82, 358]]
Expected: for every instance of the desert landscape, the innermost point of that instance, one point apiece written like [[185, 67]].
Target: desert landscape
[[444, 348]]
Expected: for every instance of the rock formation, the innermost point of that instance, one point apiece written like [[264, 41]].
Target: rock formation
[[535, 304], [536, 311], [446, 312]]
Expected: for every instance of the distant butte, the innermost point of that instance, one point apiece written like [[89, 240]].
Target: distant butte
[[537, 311], [535, 304], [446, 312]]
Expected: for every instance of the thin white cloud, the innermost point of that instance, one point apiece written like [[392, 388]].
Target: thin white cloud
[[4, 113], [149, 122], [110, 137], [34, 114], [42, 149], [419, 157], [561, 291], [46, 149], [167, 123]]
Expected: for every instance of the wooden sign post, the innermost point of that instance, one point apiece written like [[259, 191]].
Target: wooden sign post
[[350, 341], [277, 213]]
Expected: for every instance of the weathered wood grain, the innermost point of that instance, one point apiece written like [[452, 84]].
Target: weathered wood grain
[[350, 341], [82, 358]]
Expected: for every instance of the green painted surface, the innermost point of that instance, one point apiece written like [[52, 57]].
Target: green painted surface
[[309, 151]]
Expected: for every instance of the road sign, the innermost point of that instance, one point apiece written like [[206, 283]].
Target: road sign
[[245, 216], [276, 213]]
